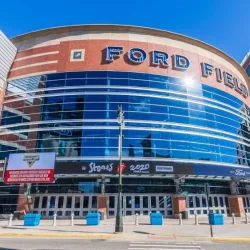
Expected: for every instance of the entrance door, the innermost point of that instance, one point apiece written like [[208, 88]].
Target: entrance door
[[64, 205], [140, 204], [246, 203], [198, 203]]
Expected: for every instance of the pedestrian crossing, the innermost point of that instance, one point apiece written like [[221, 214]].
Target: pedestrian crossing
[[164, 246]]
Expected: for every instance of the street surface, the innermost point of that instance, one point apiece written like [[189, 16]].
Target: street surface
[[8, 243]]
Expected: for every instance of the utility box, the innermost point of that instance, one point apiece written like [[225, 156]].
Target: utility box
[[156, 219], [184, 215], [93, 219], [216, 219], [31, 220], [101, 215]]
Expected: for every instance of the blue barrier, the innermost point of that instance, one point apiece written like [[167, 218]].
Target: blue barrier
[[216, 219], [93, 219], [32, 220], [156, 219]]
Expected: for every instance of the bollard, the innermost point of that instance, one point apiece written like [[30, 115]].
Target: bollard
[[180, 219], [136, 219], [72, 219], [233, 219], [54, 220], [246, 216], [10, 220], [196, 218]]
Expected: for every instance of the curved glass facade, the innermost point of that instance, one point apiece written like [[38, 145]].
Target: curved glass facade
[[74, 114]]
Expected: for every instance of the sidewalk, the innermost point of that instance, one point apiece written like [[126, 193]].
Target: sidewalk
[[171, 230]]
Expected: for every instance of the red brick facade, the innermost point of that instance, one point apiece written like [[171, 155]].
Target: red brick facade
[[95, 60]]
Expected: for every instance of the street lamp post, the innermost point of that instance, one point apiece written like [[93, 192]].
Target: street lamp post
[[119, 221], [207, 191]]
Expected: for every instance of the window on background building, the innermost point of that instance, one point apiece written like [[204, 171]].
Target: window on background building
[[248, 70]]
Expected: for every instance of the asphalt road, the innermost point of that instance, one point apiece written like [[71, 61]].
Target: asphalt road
[[8, 243]]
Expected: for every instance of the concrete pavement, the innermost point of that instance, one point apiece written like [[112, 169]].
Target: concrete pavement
[[171, 230], [7, 243]]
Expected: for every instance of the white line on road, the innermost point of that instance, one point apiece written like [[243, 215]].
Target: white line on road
[[160, 245], [165, 243], [143, 248]]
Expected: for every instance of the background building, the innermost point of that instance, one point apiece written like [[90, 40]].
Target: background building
[[186, 108], [246, 63]]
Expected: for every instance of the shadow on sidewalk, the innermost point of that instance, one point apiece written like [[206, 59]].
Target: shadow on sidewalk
[[8, 248], [56, 230], [141, 232], [15, 227]]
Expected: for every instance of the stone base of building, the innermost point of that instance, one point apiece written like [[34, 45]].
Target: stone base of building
[[179, 205], [102, 205], [236, 205], [24, 203]]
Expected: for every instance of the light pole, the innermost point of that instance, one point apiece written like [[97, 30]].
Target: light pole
[[119, 222], [207, 191]]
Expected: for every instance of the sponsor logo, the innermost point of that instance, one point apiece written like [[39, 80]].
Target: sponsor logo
[[95, 168], [31, 159], [240, 172], [164, 169], [84, 168], [77, 55], [139, 168], [123, 168]]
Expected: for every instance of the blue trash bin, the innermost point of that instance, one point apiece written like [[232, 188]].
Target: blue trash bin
[[156, 218], [32, 220], [216, 219], [93, 219]]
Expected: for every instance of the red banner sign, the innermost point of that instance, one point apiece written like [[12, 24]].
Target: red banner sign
[[29, 176], [30, 168]]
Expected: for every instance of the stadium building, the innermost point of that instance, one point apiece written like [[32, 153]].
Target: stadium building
[[186, 121]]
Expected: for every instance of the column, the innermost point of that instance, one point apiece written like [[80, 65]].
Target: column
[[24, 202], [179, 204], [235, 201], [236, 205], [102, 204]]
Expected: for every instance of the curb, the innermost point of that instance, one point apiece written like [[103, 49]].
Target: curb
[[60, 235], [220, 239]]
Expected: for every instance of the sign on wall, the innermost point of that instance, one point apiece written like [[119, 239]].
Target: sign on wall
[[179, 62], [30, 168], [222, 171], [128, 168]]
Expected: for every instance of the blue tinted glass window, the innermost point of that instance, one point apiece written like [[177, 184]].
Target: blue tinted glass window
[[71, 75], [76, 82], [97, 74], [56, 76], [158, 124]]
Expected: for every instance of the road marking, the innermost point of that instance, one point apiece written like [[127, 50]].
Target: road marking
[[160, 245], [143, 248], [165, 243], [142, 245]]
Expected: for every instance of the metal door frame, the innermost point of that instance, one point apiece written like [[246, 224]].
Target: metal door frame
[[164, 206], [246, 203], [64, 212], [219, 204]]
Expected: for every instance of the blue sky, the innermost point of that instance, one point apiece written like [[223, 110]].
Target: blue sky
[[224, 24]]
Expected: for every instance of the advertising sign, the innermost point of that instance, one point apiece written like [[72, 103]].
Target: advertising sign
[[221, 171], [128, 168], [30, 168]]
